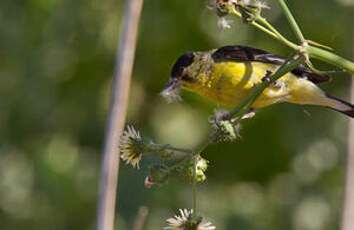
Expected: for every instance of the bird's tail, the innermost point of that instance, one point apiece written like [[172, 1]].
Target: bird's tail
[[341, 106]]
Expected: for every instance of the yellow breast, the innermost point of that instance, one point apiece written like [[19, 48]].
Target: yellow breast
[[230, 82]]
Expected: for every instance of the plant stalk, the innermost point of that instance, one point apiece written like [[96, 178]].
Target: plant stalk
[[271, 31], [117, 113], [278, 35], [330, 58], [195, 186], [312, 51], [348, 206], [292, 21]]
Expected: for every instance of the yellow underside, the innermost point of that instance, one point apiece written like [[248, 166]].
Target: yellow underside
[[230, 82]]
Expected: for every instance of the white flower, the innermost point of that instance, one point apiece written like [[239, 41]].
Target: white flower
[[179, 222], [224, 23], [186, 221], [131, 146]]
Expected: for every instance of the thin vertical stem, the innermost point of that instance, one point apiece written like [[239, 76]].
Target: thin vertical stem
[[271, 31], [117, 113], [292, 21], [255, 24], [278, 35], [140, 218], [348, 210], [195, 185]]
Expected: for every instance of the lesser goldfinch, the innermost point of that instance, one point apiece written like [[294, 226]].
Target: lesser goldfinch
[[228, 74]]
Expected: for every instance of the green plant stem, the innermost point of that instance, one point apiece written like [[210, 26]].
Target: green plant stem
[[279, 36], [329, 57], [312, 51], [186, 158], [194, 186], [273, 32], [174, 149], [255, 24], [292, 21]]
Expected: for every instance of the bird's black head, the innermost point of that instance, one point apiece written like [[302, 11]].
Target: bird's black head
[[182, 62], [178, 77]]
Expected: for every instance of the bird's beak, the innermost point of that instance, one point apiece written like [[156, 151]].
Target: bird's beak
[[170, 93], [172, 85]]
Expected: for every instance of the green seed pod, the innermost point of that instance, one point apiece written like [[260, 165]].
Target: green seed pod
[[158, 174], [201, 166]]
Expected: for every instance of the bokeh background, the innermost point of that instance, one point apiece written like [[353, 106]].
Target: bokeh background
[[57, 57]]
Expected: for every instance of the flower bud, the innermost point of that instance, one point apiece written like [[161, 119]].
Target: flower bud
[[201, 167], [158, 174]]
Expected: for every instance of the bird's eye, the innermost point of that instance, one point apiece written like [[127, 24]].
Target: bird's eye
[[187, 78]]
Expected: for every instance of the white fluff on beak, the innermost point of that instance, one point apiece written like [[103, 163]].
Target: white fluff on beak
[[171, 92]]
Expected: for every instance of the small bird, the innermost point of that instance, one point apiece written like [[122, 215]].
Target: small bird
[[228, 74]]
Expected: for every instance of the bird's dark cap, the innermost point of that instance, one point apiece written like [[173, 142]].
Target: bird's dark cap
[[182, 62]]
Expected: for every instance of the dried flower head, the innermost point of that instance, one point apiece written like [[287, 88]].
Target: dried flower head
[[212, 4], [221, 7], [187, 221], [132, 146], [223, 129], [250, 9]]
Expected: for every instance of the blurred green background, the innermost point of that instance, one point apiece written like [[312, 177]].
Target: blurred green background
[[57, 57]]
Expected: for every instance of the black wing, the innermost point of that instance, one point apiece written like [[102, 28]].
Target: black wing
[[245, 53]]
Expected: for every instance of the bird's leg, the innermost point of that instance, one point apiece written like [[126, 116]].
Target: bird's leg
[[248, 115], [274, 85], [251, 113], [267, 76]]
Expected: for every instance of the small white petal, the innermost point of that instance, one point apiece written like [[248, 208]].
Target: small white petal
[[223, 23], [128, 153], [179, 222]]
